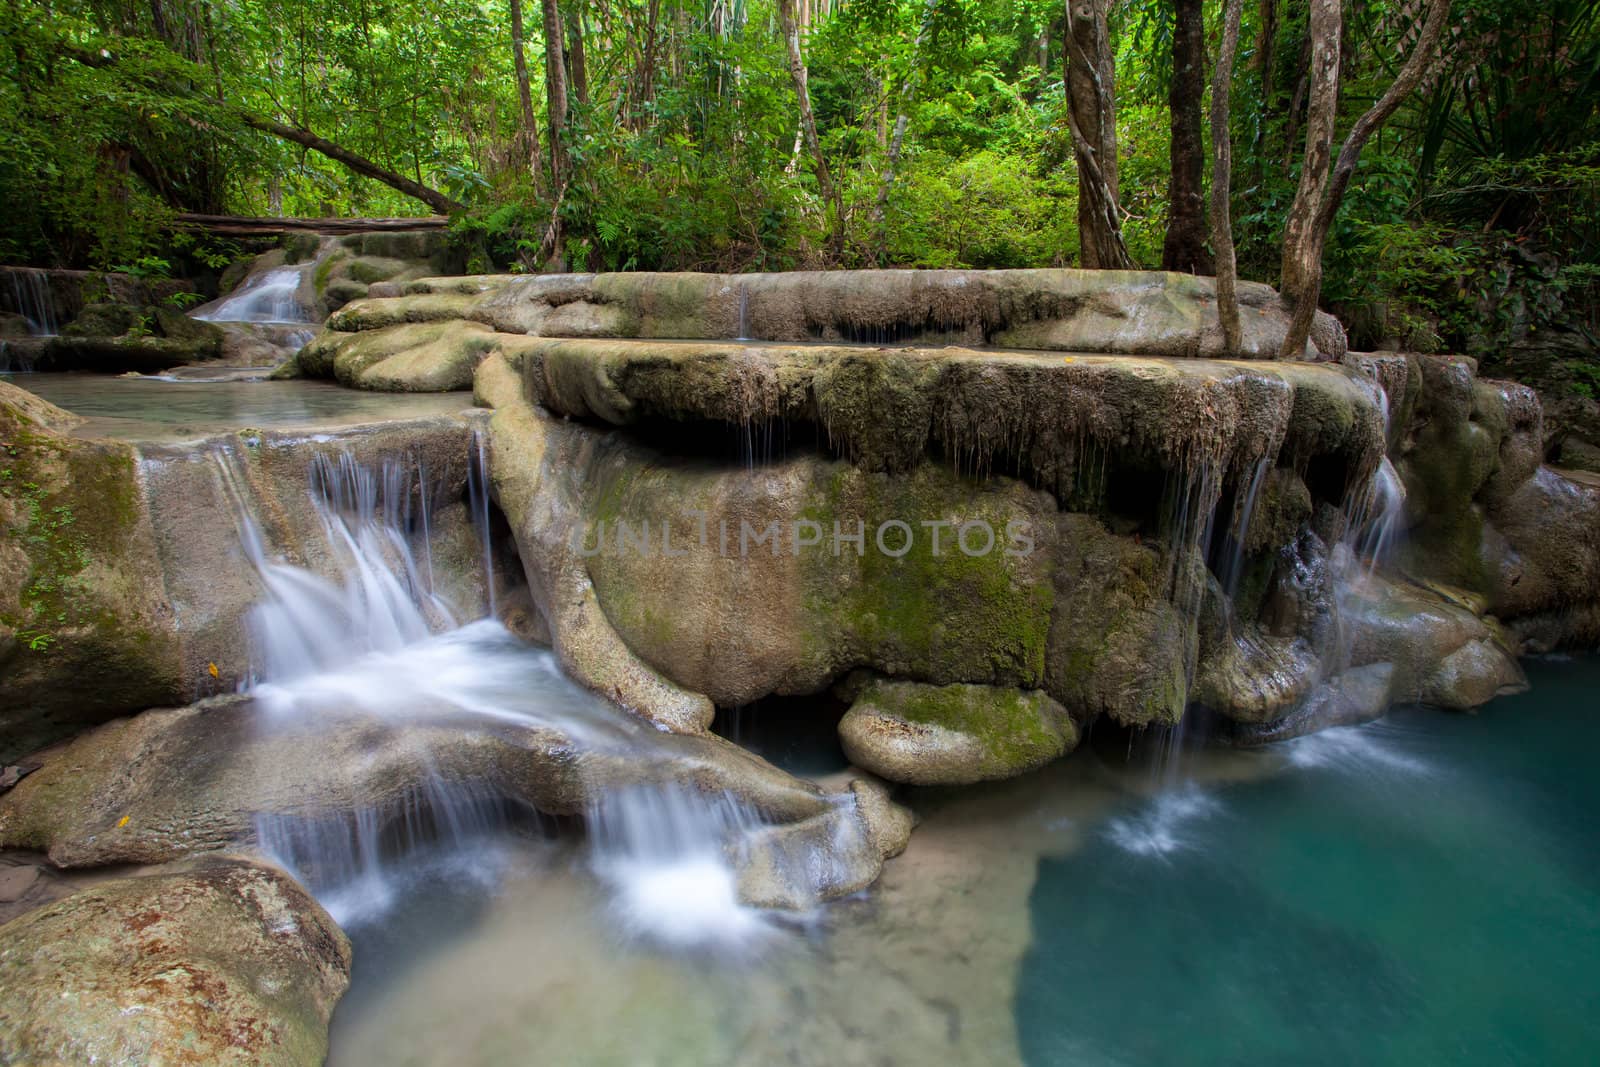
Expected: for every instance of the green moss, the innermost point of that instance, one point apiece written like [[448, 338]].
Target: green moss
[[319, 277], [980, 617]]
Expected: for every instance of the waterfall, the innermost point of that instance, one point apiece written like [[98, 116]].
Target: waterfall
[[30, 295], [744, 313], [357, 866], [1239, 530], [268, 297], [378, 642], [1375, 512], [307, 624], [1384, 516]]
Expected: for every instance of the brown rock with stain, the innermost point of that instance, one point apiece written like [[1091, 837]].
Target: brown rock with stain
[[226, 963]]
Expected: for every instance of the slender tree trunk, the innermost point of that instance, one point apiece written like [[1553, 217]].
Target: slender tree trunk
[[808, 120], [1222, 180], [1092, 116], [1302, 254], [360, 164], [1307, 232], [1266, 55], [555, 87], [530, 124], [575, 57], [908, 89], [1185, 245]]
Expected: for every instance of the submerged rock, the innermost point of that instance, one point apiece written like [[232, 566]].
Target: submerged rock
[[227, 962], [954, 734], [1358, 695]]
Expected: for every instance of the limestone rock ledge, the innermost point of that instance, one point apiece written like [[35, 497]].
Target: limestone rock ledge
[[1116, 312]]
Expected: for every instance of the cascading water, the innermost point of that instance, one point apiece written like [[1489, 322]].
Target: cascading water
[[379, 642], [30, 295], [1233, 562], [268, 298], [663, 852], [307, 625]]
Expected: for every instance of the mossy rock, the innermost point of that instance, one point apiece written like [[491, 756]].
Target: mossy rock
[[102, 320], [81, 600], [953, 734], [376, 314], [430, 357], [299, 247]]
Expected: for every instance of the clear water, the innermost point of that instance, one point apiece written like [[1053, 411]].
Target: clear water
[[1422, 890], [166, 409], [1425, 890]]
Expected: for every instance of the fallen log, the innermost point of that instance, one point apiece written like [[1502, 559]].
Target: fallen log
[[244, 226]]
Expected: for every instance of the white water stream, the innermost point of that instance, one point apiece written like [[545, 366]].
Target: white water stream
[[268, 297], [378, 641]]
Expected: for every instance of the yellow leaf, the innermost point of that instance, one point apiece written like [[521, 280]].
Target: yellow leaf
[[211, 669], [122, 822]]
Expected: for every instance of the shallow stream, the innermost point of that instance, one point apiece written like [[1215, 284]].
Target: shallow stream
[[1423, 889]]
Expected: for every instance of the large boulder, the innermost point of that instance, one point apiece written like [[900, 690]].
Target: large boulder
[[1121, 313], [667, 580], [1484, 516], [226, 962]]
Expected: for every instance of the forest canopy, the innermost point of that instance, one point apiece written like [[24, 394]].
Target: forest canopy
[[777, 134]]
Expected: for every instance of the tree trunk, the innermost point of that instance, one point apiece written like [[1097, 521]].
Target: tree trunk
[[1092, 116], [1309, 224], [1185, 246], [575, 57], [808, 120], [555, 87], [1222, 180], [1302, 253], [530, 124], [360, 164], [897, 142]]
